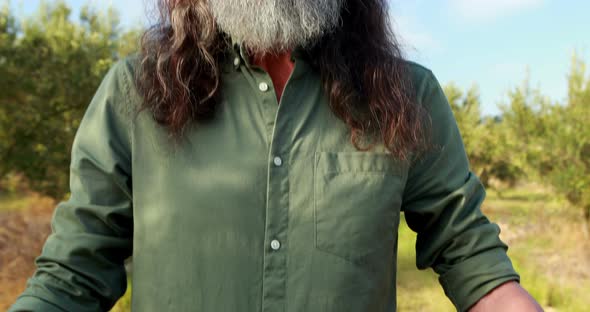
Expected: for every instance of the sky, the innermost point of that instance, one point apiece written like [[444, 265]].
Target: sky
[[494, 44]]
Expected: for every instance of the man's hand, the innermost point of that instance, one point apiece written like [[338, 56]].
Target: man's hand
[[508, 297]]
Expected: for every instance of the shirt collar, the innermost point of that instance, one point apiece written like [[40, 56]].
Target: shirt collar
[[239, 55]]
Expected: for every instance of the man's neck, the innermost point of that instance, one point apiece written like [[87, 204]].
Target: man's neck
[[279, 66]]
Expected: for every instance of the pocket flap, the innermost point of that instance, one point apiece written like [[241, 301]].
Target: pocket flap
[[357, 161]]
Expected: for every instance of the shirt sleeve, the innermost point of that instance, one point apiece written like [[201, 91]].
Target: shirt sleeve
[[442, 203], [81, 266]]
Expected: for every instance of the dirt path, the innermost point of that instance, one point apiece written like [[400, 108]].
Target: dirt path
[[22, 234]]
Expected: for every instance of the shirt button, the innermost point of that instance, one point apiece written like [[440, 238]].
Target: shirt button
[[263, 86], [237, 61], [278, 161], [275, 244]]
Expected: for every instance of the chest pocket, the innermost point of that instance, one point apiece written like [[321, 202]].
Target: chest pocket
[[357, 198]]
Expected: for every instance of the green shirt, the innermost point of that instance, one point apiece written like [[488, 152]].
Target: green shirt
[[266, 208]]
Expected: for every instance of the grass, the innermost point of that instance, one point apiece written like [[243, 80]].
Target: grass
[[548, 245], [14, 202], [124, 304], [546, 242], [416, 290]]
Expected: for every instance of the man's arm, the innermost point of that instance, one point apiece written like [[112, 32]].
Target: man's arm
[[442, 202], [81, 266]]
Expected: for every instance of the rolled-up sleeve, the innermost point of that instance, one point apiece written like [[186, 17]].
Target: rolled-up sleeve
[[81, 266], [442, 203]]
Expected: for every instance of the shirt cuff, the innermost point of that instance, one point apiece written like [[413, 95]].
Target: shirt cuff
[[471, 279], [30, 303]]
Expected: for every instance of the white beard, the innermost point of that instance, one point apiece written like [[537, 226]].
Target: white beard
[[265, 26]]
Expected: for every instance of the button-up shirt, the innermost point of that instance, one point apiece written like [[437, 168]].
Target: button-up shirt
[[266, 207]]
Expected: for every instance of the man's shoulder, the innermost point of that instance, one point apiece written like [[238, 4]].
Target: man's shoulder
[[417, 68], [118, 90], [423, 80], [124, 71], [126, 67], [418, 73]]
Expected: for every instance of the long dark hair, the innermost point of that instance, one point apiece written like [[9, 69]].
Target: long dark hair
[[362, 69]]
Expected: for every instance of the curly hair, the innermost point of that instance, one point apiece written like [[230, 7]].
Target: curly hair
[[362, 69]]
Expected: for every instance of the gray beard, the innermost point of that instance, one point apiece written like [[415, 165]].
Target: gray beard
[[266, 26]]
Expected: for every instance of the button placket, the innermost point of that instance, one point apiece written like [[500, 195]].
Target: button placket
[[277, 214], [278, 201]]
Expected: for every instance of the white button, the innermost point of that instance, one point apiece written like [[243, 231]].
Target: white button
[[237, 61], [278, 161], [275, 244], [263, 86]]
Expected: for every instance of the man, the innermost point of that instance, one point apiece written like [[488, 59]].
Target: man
[[274, 146]]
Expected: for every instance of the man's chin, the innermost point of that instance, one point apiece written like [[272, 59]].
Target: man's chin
[[274, 48]]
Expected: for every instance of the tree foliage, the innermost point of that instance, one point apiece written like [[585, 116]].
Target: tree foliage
[[551, 141], [483, 137], [534, 138], [564, 141], [50, 67]]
